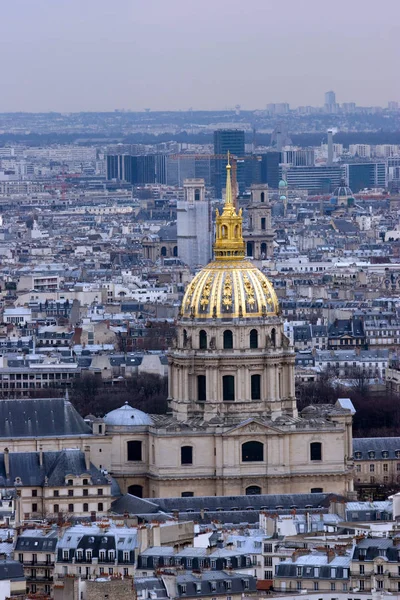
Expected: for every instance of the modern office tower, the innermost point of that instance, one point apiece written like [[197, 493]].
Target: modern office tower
[[137, 170], [315, 179], [270, 169], [160, 168], [228, 140], [116, 167], [194, 230], [366, 175], [259, 235], [299, 158]]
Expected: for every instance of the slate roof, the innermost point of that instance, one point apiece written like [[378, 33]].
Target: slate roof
[[35, 540], [11, 569], [56, 466], [44, 417], [370, 548], [377, 445]]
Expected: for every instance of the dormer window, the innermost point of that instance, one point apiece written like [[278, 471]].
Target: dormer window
[[371, 454], [397, 453], [385, 454], [357, 455], [70, 482]]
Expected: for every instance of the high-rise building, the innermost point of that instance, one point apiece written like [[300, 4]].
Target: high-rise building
[[366, 175], [137, 170], [228, 140], [330, 102], [270, 169], [194, 225]]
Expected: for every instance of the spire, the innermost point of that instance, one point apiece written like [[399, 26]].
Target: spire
[[228, 187], [229, 243]]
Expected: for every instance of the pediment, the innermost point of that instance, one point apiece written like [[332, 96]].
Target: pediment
[[253, 426]]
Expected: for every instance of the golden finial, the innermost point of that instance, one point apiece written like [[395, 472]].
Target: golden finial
[[229, 243]]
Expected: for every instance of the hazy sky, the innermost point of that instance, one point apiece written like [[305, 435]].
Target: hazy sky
[[72, 55]]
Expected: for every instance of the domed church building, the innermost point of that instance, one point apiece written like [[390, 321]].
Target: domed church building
[[233, 426]]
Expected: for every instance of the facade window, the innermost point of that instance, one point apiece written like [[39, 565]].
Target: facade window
[[70, 508], [203, 340], [201, 388], [100, 507], [317, 490], [136, 490], [315, 451], [333, 586], [85, 482], [134, 450], [252, 451], [86, 492], [371, 468], [86, 507], [263, 223], [372, 479], [34, 493], [100, 492], [186, 455], [56, 493], [316, 586], [228, 388], [256, 387], [34, 507], [255, 490], [386, 467], [254, 338], [187, 494], [56, 508], [228, 339]]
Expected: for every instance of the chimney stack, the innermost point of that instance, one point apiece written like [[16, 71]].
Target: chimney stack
[[87, 458], [7, 462]]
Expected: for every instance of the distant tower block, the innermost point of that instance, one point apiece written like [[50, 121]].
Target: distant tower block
[[259, 236], [194, 225]]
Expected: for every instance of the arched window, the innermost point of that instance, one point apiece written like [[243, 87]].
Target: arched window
[[253, 490], [201, 388], [134, 450], [254, 338], [315, 451], [186, 455], [263, 223], [197, 194], [252, 452], [228, 388], [263, 249], [256, 387], [236, 231], [262, 197], [228, 339], [136, 490], [249, 249], [224, 232], [163, 251], [185, 337], [273, 337], [203, 339]]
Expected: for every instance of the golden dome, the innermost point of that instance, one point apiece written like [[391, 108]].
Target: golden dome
[[230, 286]]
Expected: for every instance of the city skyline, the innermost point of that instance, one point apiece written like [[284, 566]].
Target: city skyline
[[70, 57]]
